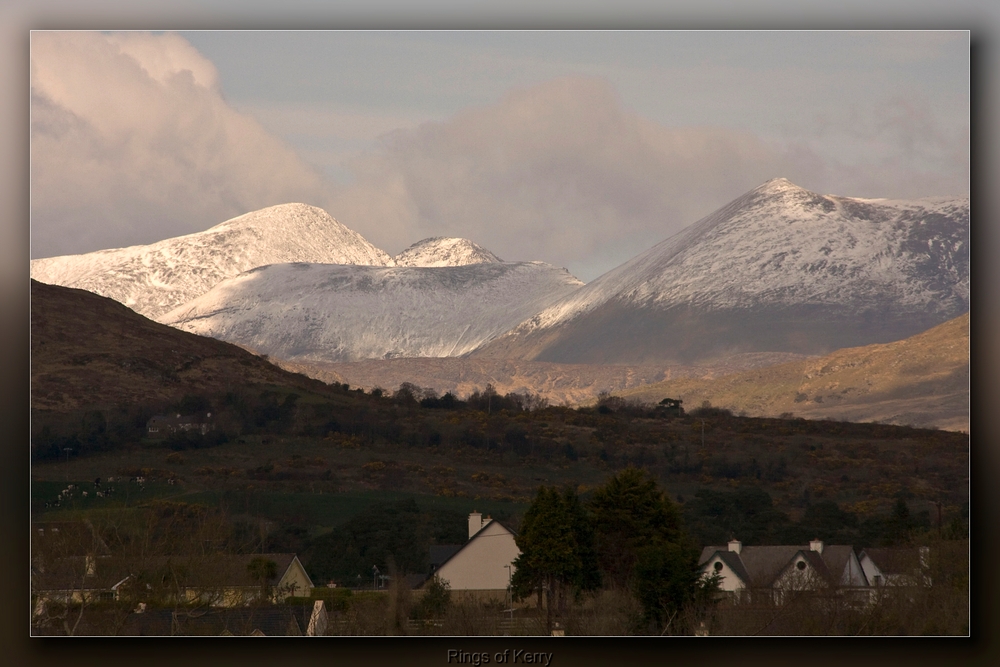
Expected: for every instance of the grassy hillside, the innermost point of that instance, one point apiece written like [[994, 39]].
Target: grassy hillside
[[921, 381], [88, 351]]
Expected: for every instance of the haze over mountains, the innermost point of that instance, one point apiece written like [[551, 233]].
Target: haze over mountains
[[778, 273]]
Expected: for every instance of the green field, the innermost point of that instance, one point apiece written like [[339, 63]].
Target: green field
[[317, 510]]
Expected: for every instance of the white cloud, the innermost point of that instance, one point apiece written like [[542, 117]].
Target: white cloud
[[132, 142]]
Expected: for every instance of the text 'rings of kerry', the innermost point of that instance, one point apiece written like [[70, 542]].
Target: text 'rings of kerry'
[[507, 656]]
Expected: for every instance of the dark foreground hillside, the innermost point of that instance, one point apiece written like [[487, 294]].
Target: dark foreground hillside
[[88, 351]]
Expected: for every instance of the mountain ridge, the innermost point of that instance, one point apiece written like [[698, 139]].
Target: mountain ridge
[[777, 269], [153, 279], [325, 312]]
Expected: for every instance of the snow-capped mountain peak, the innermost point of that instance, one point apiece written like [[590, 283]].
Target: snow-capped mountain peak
[[153, 279], [817, 271], [443, 251]]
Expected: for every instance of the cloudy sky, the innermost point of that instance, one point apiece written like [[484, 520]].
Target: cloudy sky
[[577, 148]]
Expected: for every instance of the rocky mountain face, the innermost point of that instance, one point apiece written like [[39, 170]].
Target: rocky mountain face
[[325, 312], [922, 381], [778, 269], [441, 251], [153, 279]]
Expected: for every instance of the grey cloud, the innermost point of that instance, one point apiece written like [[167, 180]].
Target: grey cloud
[[559, 172]]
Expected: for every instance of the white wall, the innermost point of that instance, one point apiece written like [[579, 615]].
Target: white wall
[[480, 563], [728, 580]]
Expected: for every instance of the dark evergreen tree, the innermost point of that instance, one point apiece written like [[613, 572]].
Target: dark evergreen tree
[[550, 556], [630, 512], [642, 546]]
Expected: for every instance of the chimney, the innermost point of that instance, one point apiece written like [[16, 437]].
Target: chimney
[[475, 523], [735, 546], [817, 546], [91, 566]]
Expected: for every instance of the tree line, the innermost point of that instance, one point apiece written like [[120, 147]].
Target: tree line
[[629, 537]]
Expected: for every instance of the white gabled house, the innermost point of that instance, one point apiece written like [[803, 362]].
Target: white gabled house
[[774, 572], [897, 567], [484, 563]]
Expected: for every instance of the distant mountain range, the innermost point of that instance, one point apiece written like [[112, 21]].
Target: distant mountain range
[[778, 269], [778, 273], [324, 312]]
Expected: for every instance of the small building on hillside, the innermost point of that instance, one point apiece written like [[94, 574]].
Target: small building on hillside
[[485, 563], [164, 425], [775, 572], [670, 407]]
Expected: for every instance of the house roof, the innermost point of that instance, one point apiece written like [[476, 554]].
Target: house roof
[[78, 573], [760, 566], [815, 560], [836, 557], [222, 569], [199, 418], [899, 560], [439, 553], [59, 539]]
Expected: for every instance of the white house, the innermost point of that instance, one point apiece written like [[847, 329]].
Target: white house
[[897, 566], [485, 562], [777, 571]]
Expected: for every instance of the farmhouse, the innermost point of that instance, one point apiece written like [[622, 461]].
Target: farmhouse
[[897, 566], [76, 579], [217, 580], [163, 425], [484, 563], [774, 572], [235, 580]]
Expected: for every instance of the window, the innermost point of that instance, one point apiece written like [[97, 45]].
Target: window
[[718, 566], [801, 565]]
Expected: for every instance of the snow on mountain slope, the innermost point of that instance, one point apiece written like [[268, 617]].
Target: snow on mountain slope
[[805, 272], [325, 312], [441, 251], [156, 278]]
